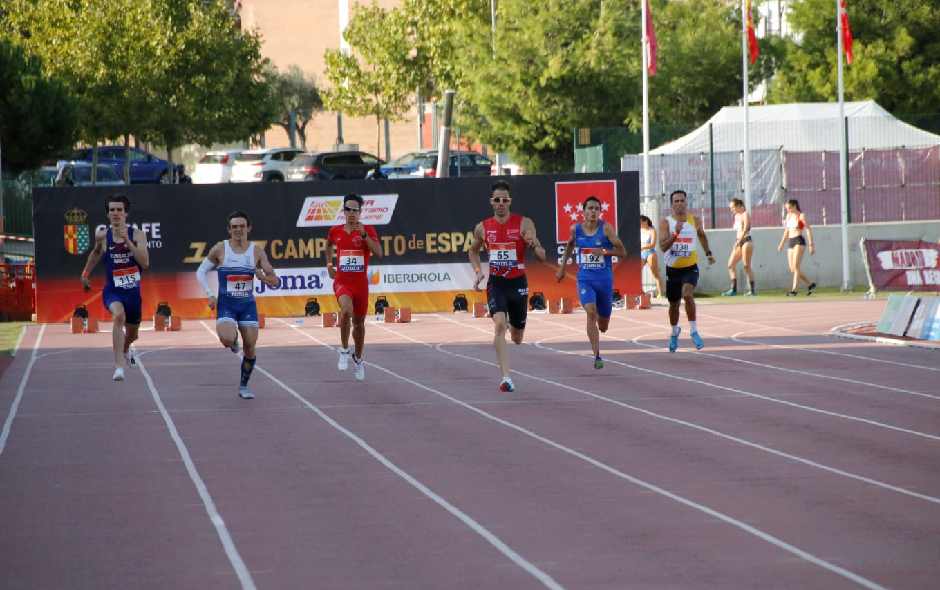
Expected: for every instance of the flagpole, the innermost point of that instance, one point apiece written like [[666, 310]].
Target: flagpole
[[644, 50], [843, 158], [744, 101]]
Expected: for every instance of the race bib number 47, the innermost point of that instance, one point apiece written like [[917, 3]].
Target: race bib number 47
[[239, 285], [126, 278], [352, 261]]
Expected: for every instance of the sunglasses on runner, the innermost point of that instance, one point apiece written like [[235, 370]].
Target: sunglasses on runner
[[501, 199], [351, 209]]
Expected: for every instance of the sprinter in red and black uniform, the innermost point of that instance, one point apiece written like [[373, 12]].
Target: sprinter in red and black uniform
[[506, 236]]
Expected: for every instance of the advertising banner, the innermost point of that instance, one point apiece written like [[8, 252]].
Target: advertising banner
[[895, 265], [425, 227]]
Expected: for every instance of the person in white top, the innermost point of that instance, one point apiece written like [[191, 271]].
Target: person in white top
[[742, 250], [648, 252], [679, 235], [238, 261], [794, 225]]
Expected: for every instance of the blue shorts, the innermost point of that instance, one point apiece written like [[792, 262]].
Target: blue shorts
[[600, 292], [645, 254], [242, 313], [129, 299]]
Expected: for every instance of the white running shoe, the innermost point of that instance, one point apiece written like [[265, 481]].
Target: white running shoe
[[360, 368], [131, 357], [236, 346], [118, 374], [245, 393], [343, 362]]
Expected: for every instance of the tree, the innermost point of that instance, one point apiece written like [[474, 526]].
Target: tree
[[296, 93], [37, 114], [377, 77], [896, 55]]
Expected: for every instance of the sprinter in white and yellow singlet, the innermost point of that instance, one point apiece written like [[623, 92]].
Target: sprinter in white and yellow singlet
[[679, 236]]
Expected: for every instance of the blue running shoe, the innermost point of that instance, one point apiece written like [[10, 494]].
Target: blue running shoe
[[697, 340], [598, 363], [674, 342]]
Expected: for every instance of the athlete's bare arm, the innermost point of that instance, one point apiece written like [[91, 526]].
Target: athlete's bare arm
[[652, 244], [374, 246], [476, 244], [619, 249], [809, 234], [264, 270], [138, 247], [666, 239], [569, 249], [330, 269], [94, 257], [528, 234], [703, 239], [214, 256]]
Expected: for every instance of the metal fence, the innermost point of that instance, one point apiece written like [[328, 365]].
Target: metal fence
[[17, 210]]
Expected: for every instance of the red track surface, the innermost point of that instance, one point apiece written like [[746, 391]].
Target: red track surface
[[778, 457]]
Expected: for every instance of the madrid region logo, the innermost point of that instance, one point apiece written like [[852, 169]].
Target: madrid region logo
[[77, 234]]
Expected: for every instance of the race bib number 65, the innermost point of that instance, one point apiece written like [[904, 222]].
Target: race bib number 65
[[503, 255]]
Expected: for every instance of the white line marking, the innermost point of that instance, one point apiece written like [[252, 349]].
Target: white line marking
[[19, 340], [8, 423], [241, 570], [806, 556]]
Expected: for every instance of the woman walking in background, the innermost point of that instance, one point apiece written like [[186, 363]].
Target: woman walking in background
[[743, 249], [648, 251], [793, 227]]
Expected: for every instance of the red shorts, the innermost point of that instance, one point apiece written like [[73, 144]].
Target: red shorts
[[359, 295]]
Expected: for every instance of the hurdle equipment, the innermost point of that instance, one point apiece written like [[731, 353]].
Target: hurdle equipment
[[329, 319], [480, 310], [638, 301]]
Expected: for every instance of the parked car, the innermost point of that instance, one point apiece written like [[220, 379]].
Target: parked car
[[79, 174], [145, 167], [347, 165], [215, 166], [263, 165], [424, 165]]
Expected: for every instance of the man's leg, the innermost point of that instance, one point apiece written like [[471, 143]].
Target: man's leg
[[688, 295], [118, 322], [345, 319], [227, 330], [594, 337], [249, 340], [499, 341], [359, 333]]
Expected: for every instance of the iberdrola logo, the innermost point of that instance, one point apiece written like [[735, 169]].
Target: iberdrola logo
[[77, 234]]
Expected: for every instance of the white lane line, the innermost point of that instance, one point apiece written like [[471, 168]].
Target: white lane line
[[777, 542], [8, 423], [806, 349], [717, 433], [774, 367], [733, 389], [463, 517], [19, 340], [241, 570]]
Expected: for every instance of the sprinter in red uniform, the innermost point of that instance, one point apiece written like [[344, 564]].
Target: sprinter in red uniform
[[506, 236], [352, 243]]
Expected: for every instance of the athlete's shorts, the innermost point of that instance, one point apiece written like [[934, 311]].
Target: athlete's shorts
[[359, 295], [676, 277], [797, 241], [240, 312], [509, 296], [130, 300], [645, 254], [600, 292]]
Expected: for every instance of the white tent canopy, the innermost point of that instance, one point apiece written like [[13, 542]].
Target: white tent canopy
[[800, 127]]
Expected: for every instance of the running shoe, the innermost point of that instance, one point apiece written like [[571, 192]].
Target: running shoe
[[245, 393], [360, 368], [506, 385], [236, 346], [810, 289], [729, 293], [674, 342], [751, 294], [792, 293], [598, 363], [697, 340], [131, 357], [343, 362], [118, 374]]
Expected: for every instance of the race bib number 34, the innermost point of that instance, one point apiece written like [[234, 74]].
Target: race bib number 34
[[352, 261], [126, 278], [239, 285]]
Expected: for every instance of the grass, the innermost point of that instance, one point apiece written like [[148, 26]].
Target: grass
[[9, 332]]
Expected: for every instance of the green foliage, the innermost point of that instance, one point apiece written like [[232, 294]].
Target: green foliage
[[37, 114], [297, 93], [897, 55]]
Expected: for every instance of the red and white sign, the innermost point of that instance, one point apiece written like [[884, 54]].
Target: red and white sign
[[569, 204], [903, 265]]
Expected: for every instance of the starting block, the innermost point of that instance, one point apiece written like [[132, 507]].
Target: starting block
[[563, 305], [480, 310], [260, 320], [159, 322], [176, 323], [397, 315], [641, 301], [329, 319], [84, 326], [391, 315]]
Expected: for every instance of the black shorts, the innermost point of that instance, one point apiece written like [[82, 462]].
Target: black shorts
[[746, 239], [676, 277], [797, 241], [510, 296]]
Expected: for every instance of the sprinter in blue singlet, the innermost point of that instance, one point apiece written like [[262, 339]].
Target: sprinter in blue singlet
[[596, 242]]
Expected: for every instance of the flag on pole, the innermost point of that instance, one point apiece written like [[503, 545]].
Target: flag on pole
[[846, 32], [650, 41], [753, 49]]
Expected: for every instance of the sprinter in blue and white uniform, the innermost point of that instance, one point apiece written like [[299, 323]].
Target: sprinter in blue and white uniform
[[238, 262], [124, 250], [596, 242]]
